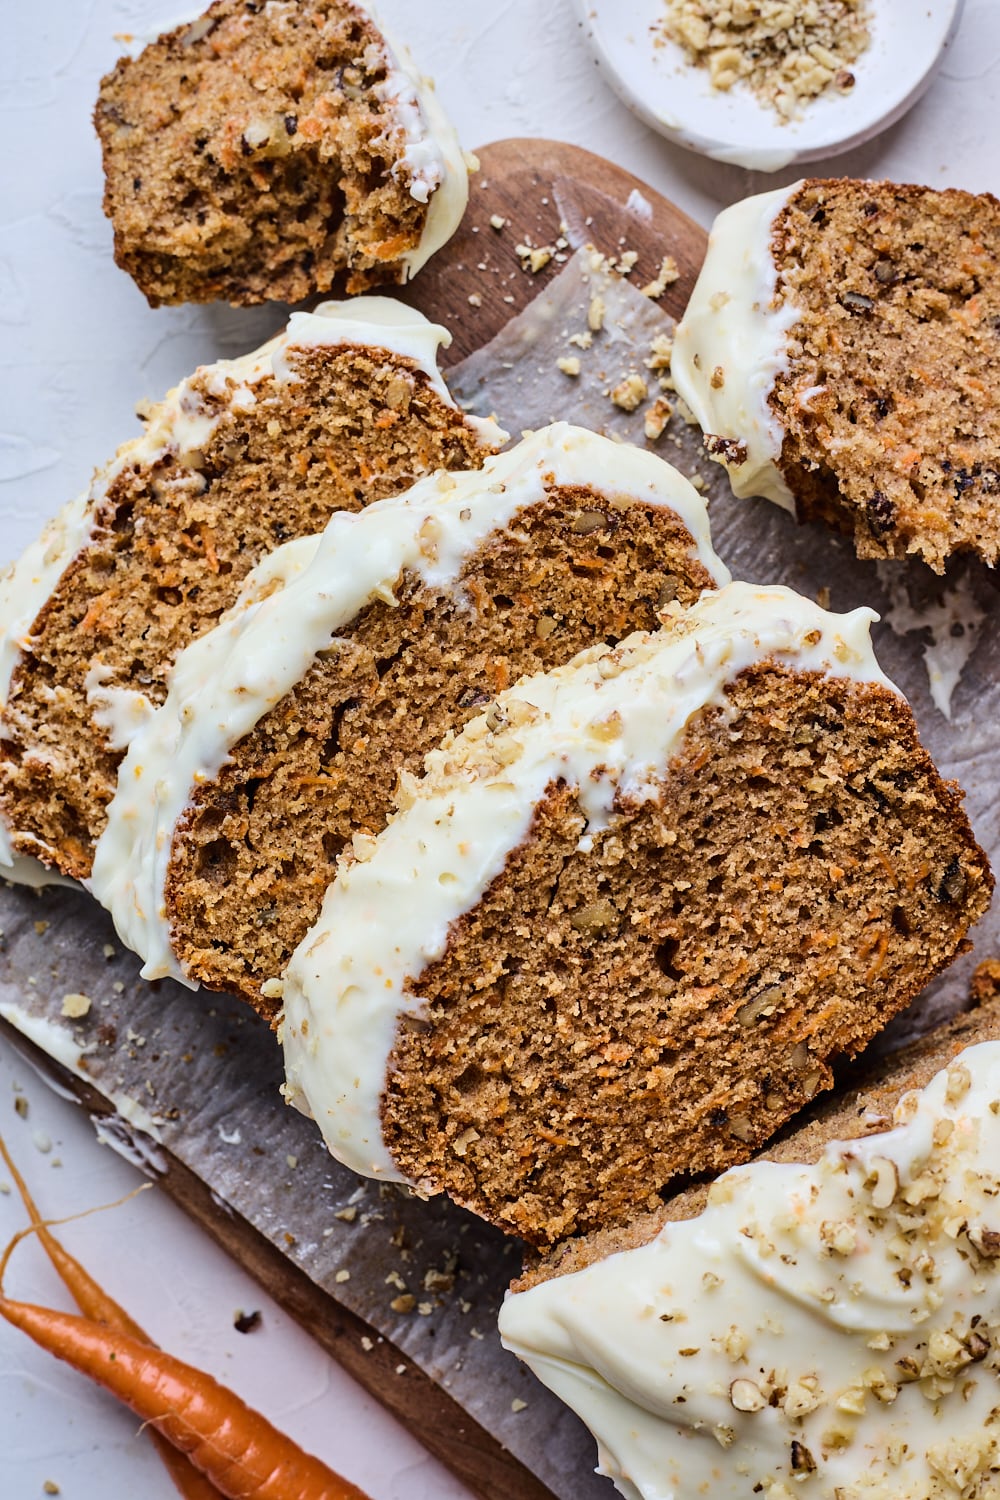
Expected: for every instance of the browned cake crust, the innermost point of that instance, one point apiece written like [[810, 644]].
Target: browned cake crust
[[256, 850], [605, 1022], [173, 541], [865, 1110], [898, 443], [248, 157]]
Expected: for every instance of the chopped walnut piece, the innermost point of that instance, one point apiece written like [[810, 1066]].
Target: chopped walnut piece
[[630, 392], [746, 1395], [669, 272], [656, 417], [786, 54]]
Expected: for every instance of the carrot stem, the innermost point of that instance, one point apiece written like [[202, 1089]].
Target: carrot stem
[[94, 1302]]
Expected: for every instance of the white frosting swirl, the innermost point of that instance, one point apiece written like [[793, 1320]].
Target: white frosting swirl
[[732, 344], [607, 724], [182, 424], [224, 683], [830, 1330]]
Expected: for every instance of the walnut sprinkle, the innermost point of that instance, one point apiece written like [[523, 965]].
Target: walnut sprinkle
[[746, 1395], [630, 392], [669, 272], [786, 54], [75, 1006]]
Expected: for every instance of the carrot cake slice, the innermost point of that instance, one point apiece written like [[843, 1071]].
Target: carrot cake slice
[[264, 150], [825, 1321], [286, 728], [840, 351], [345, 406], [629, 916]]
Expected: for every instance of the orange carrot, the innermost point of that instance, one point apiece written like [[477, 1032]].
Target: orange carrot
[[232, 1445], [94, 1302]]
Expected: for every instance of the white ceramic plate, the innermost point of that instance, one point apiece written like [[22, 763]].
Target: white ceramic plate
[[909, 38]]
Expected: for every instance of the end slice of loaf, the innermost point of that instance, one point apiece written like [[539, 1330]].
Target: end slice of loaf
[[840, 351], [827, 1317], [624, 924], [287, 728], [344, 407], [269, 151]]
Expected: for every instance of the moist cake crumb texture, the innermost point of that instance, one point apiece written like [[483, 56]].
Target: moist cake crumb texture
[[265, 150], [257, 848]]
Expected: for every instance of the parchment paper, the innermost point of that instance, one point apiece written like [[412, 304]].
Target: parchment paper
[[198, 1074]]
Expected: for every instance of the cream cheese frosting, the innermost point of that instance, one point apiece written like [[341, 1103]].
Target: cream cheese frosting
[[432, 156], [830, 1330], [606, 724], [182, 424], [732, 344], [292, 607], [24, 588]]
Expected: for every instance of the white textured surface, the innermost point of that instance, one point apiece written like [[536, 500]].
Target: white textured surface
[[78, 348]]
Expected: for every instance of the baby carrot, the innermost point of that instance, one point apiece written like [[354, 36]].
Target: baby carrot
[[94, 1302], [232, 1445]]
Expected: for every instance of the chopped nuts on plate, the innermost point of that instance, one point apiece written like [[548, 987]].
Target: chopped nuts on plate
[[698, 72]]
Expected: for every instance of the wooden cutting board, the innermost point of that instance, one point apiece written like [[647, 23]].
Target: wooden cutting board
[[540, 188], [546, 194]]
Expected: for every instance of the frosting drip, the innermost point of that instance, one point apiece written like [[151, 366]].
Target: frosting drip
[[830, 1330], [181, 425], [607, 724], [24, 588], [732, 344], [291, 608]]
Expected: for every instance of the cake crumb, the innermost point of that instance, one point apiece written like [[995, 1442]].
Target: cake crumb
[[41, 928], [475, 300], [51, 1488], [518, 1405], [348, 1214], [366, 1343], [569, 366], [404, 1303], [595, 314], [21, 1106], [581, 340], [75, 1006], [498, 222], [342, 1276]]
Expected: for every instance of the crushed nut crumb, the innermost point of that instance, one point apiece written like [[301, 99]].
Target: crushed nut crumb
[[75, 1006], [786, 54], [630, 392]]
